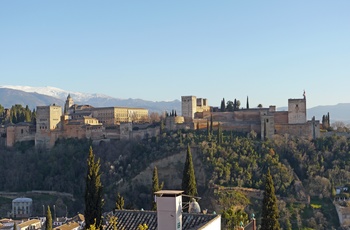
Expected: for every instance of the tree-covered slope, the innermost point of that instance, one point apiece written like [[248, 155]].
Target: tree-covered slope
[[226, 159]]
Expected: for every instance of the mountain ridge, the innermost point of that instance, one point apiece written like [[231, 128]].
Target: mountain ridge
[[36, 96]]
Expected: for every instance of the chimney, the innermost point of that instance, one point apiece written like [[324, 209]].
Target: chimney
[[169, 209], [254, 222]]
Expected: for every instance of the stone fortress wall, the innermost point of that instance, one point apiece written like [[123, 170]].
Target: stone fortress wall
[[84, 121], [264, 121]]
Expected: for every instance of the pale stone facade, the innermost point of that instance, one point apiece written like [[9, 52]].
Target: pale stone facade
[[117, 115], [85, 121], [297, 111], [190, 105], [22, 207], [48, 119]]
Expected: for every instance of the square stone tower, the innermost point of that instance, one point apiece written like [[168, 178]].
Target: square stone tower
[[297, 111], [188, 106], [47, 119]]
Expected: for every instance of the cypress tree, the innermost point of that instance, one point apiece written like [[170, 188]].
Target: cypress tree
[[222, 107], [208, 131], [33, 116], [48, 223], [269, 216], [189, 180], [247, 102], [333, 191], [93, 193], [162, 126], [219, 135], [119, 204], [155, 186], [328, 120], [323, 120], [211, 123]]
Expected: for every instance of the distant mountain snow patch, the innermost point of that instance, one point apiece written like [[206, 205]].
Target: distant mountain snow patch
[[37, 96], [58, 93]]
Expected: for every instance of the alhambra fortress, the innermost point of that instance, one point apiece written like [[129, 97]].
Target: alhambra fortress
[[121, 123]]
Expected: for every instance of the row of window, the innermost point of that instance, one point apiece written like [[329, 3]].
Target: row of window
[[21, 210]]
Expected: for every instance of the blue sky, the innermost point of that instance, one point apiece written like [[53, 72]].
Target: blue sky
[[161, 50]]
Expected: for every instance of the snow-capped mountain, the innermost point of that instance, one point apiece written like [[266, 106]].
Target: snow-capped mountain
[[58, 93], [38, 96]]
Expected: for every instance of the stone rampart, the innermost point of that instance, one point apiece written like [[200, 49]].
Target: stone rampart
[[248, 115], [301, 130], [281, 117]]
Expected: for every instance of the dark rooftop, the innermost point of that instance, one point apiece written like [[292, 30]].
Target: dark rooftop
[[131, 219]]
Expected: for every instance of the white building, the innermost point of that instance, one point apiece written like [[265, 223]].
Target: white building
[[22, 207]]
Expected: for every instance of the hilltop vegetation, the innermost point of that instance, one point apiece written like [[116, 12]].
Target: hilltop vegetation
[[298, 167]]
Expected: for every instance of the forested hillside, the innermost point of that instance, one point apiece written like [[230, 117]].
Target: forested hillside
[[298, 167]]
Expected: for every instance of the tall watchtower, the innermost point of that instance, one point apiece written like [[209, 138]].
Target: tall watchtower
[[188, 106], [297, 111], [47, 120]]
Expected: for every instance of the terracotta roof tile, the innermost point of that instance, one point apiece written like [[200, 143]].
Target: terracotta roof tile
[[67, 226]]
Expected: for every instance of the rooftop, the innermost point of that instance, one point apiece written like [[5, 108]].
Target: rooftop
[[169, 192], [29, 222], [22, 199], [67, 226], [131, 219]]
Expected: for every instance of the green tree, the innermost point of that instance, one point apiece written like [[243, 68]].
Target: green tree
[[230, 106], [93, 192], [155, 186], [233, 217], [222, 107], [27, 114], [1, 109], [48, 223], [333, 191], [119, 204], [208, 129], [247, 102], [162, 126], [34, 116], [237, 104], [220, 136], [270, 215], [189, 180]]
